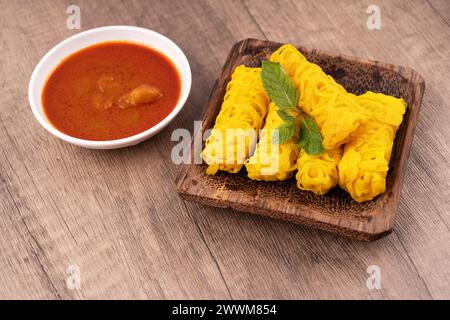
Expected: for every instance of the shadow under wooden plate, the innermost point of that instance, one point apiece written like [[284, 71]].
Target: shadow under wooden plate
[[336, 211]]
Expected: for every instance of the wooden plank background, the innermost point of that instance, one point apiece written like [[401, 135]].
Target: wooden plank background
[[116, 214]]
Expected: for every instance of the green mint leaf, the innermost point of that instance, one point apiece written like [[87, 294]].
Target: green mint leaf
[[286, 117], [285, 132], [310, 137], [278, 85]]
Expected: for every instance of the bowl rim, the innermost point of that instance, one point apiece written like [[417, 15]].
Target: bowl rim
[[122, 142]]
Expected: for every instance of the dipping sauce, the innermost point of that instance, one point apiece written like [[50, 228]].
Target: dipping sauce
[[110, 91]]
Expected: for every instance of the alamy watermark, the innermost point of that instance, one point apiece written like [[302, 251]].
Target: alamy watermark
[[227, 146], [373, 282], [374, 20], [73, 281], [74, 19]]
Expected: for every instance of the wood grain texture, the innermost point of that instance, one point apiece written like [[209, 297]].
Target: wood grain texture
[[116, 213], [335, 211]]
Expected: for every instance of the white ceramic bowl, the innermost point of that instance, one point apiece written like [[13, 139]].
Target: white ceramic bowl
[[94, 36]]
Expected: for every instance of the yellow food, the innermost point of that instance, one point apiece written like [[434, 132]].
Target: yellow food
[[241, 116], [364, 165], [336, 112], [274, 162], [318, 174], [358, 131]]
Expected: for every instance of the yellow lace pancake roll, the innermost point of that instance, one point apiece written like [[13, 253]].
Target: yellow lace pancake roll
[[235, 133], [272, 161], [365, 163], [337, 112], [318, 174]]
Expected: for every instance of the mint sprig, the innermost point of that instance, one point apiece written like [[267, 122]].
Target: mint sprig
[[286, 117], [310, 137], [285, 132], [278, 85], [282, 91]]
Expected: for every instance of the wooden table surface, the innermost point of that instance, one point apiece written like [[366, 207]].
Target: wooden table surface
[[116, 214]]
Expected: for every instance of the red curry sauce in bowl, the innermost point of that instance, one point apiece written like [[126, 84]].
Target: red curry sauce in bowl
[[84, 95], [110, 87]]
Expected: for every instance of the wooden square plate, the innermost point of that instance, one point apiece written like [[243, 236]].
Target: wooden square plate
[[335, 211]]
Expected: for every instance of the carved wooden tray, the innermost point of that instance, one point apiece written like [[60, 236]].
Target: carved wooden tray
[[336, 211]]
